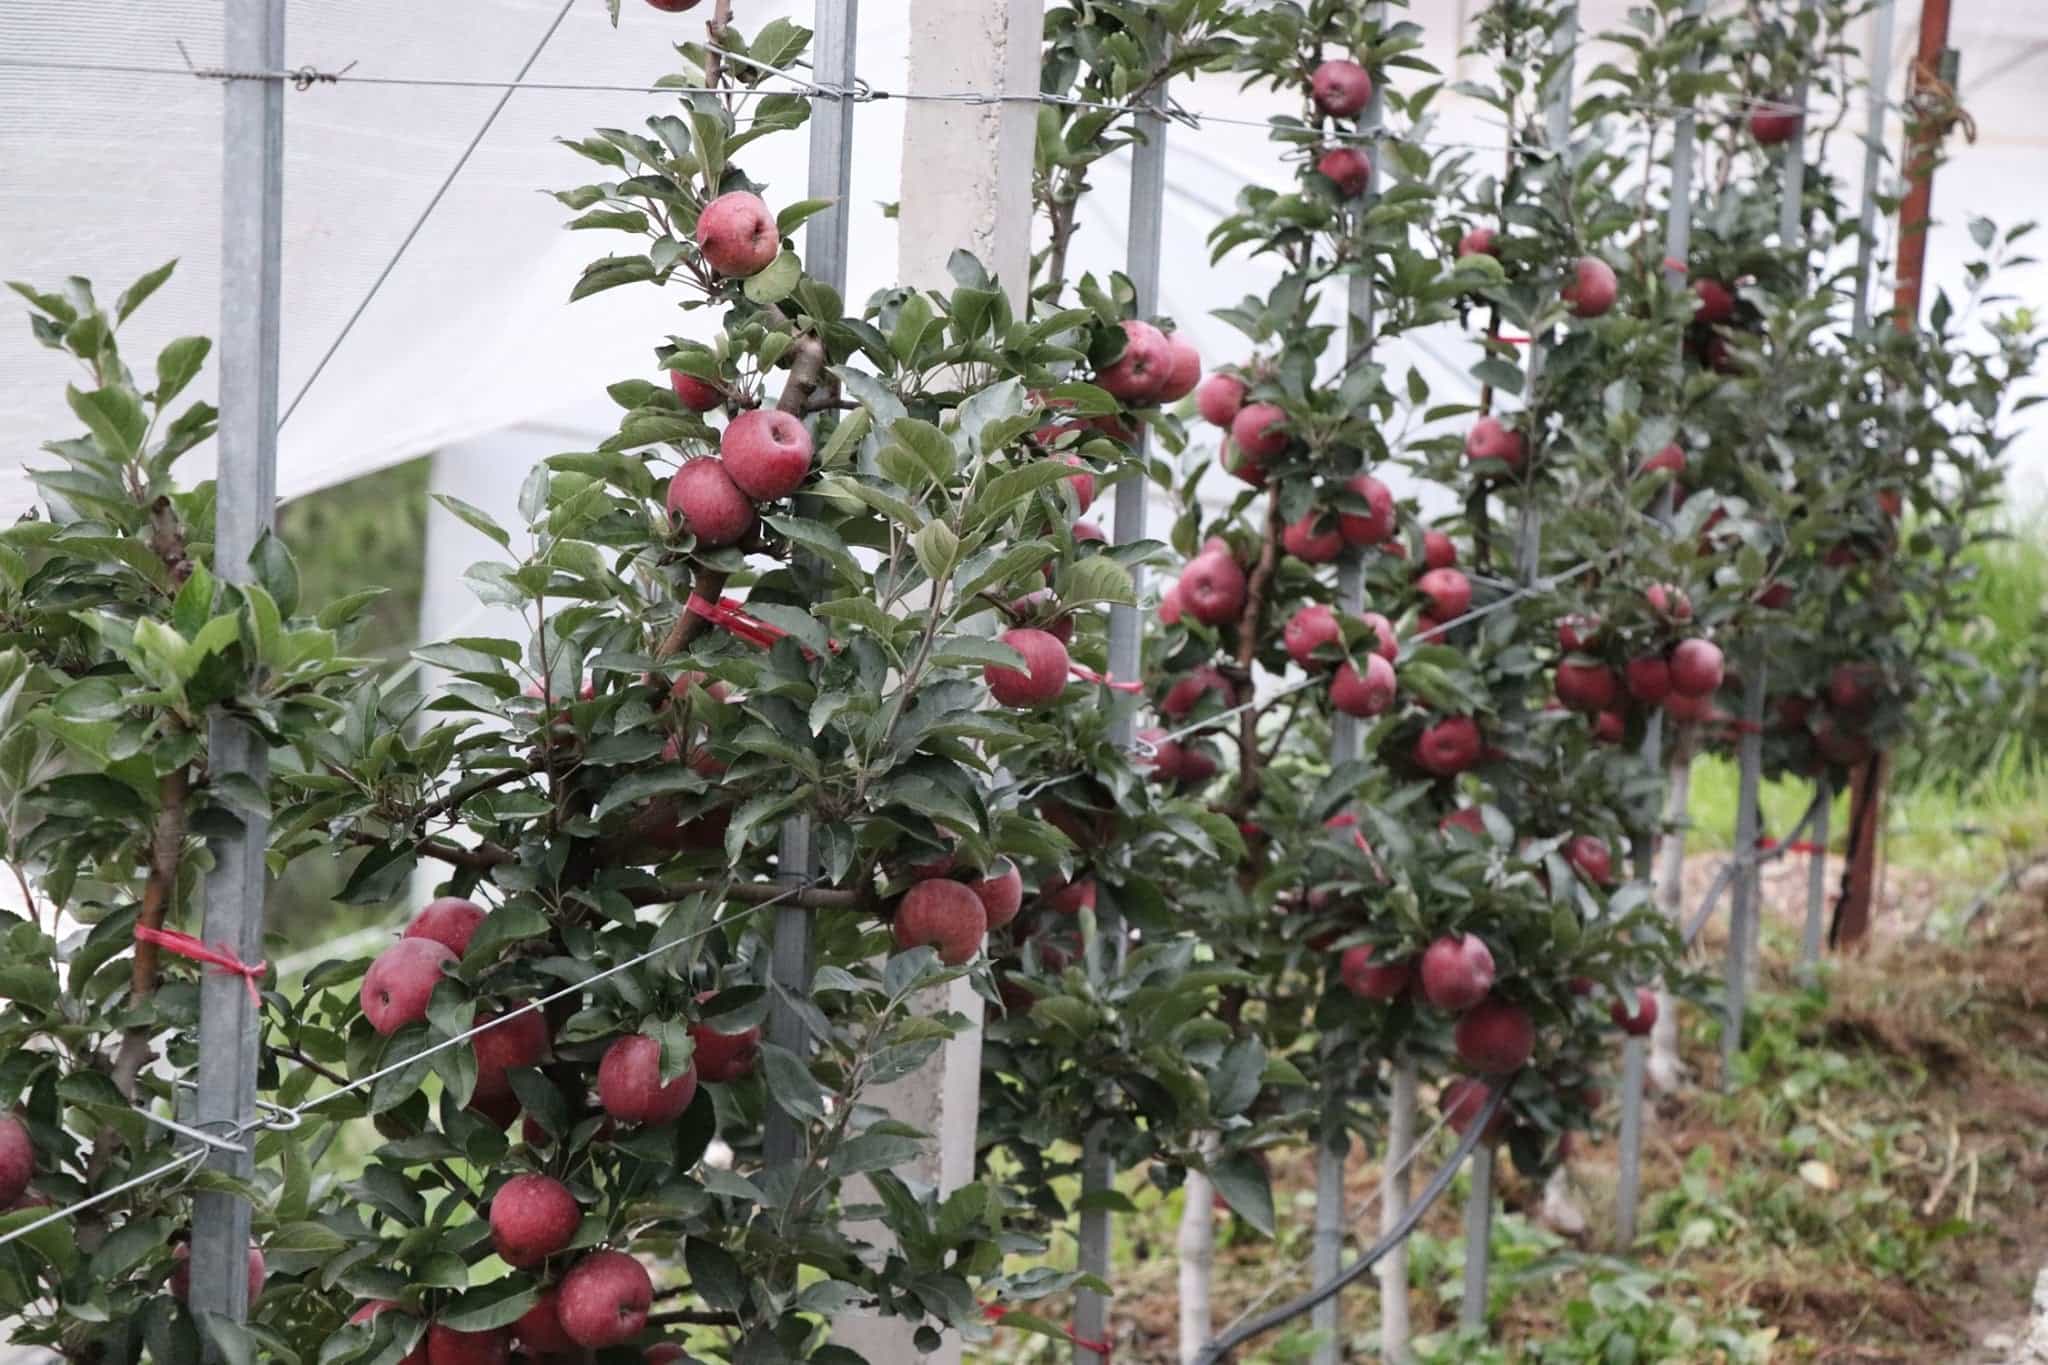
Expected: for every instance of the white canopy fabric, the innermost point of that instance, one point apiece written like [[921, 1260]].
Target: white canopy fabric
[[109, 174]]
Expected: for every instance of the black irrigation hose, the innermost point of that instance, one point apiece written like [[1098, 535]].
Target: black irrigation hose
[[1727, 872], [1219, 1350]]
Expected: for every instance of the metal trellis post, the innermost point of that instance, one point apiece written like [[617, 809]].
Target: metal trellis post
[[1395, 1190], [1142, 241], [1747, 883], [1882, 24], [1478, 1239], [825, 238], [1817, 879], [252, 251]]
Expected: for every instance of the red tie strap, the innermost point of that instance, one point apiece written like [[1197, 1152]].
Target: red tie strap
[[1090, 675], [186, 946], [995, 1312]]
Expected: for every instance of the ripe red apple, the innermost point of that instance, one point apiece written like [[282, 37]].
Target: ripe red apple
[[1388, 644], [1449, 747], [710, 505], [1467, 818], [1068, 898], [1212, 587], [767, 452], [1716, 303], [1187, 692], [944, 915], [1852, 687], [1219, 399], [1639, 1024], [1592, 288], [1668, 602], [1043, 677], [1170, 605], [401, 981], [450, 921], [737, 235], [1609, 727], [521, 1039], [1793, 712], [673, 6], [1088, 533], [1840, 743], [1260, 431], [1377, 523], [532, 1217], [1495, 1038], [1041, 610], [1588, 687], [1773, 124], [447, 1346], [1439, 551], [1577, 631], [604, 1300], [1184, 370], [1142, 372], [1774, 596], [17, 1160], [1449, 593], [1349, 168], [1681, 707], [630, 1088], [1671, 457], [181, 1271], [369, 1313], [1648, 679], [1197, 764], [1363, 692], [1588, 854], [1480, 241], [1457, 972], [1306, 543], [698, 395], [1239, 465], [1308, 630], [1492, 439], [721, 1057], [1001, 893], [1696, 668], [1340, 87], [539, 1328], [1370, 981], [1463, 1100]]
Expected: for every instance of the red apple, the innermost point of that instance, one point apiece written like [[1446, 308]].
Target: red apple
[[1774, 596], [401, 981], [604, 1300], [511, 1039], [1309, 545], [1853, 687], [1467, 818], [450, 921], [1363, 692], [1187, 692], [447, 1346], [710, 505], [630, 1088], [1840, 744], [1349, 168], [1168, 758], [1609, 727], [1219, 399], [1495, 1038], [1463, 1100], [1388, 644], [1588, 855], [721, 1057], [698, 395], [539, 1328], [1588, 687], [1480, 241], [1716, 303], [1592, 288], [1308, 630], [1041, 610], [1492, 439], [1239, 465], [944, 915], [1001, 893], [369, 1313], [1671, 457], [1375, 524], [1144, 369], [1449, 593], [1170, 605], [1457, 972], [767, 452], [1577, 631], [1088, 533], [1370, 981], [1260, 431], [673, 6], [1068, 898], [17, 1160], [1212, 587], [1696, 668], [1043, 677], [1639, 1024], [1449, 747], [1681, 707], [1773, 124], [1648, 679], [1184, 372], [1668, 602], [181, 1272], [737, 235], [532, 1217], [1439, 551], [1340, 87]]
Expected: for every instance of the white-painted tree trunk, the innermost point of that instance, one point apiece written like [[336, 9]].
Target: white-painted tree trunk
[[1666, 1070], [1197, 1248]]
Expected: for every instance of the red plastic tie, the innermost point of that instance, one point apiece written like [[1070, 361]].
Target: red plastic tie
[[1090, 675], [726, 614], [1765, 841], [1513, 341], [1745, 727], [186, 946], [1808, 847], [995, 1312]]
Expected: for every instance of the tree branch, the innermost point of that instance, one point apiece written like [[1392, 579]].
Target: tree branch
[[166, 853], [482, 858], [1248, 627]]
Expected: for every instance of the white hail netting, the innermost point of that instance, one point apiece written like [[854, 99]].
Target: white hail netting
[[110, 174]]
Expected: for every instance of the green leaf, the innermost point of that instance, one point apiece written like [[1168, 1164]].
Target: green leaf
[[137, 293], [114, 417], [790, 1084], [715, 1275], [775, 283], [178, 364], [1097, 578], [937, 548], [487, 1308], [1245, 1187]]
